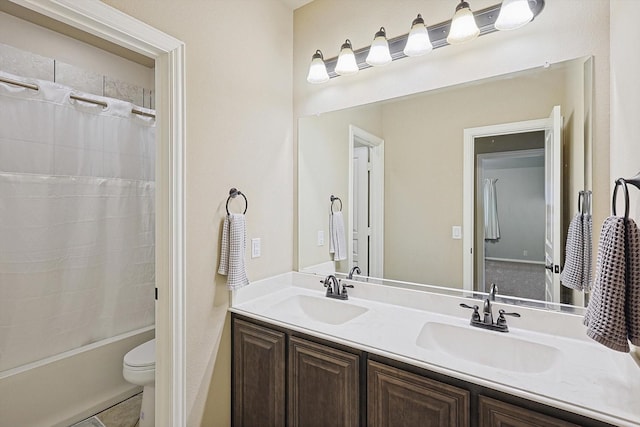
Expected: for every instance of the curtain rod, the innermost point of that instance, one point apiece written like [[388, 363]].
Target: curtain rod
[[76, 97]]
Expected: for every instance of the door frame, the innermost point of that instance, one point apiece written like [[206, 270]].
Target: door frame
[[468, 188], [108, 23], [376, 199]]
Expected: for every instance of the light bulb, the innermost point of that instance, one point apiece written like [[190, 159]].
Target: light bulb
[[463, 25], [418, 42], [317, 69], [513, 14], [346, 64], [379, 50]]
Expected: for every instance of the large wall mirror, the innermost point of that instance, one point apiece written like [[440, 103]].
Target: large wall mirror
[[416, 177]]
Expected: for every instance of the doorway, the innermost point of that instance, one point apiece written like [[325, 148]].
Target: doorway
[[498, 145], [366, 202]]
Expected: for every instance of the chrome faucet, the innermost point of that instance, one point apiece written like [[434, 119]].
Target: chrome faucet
[[356, 270], [493, 291], [332, 283], [487, 311], [486, 322]]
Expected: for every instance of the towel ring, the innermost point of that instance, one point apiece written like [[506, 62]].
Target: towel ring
[[623, 183], [333, 199], [232, 195]]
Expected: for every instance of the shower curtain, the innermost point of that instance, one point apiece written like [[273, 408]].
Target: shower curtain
[[491, 226], [76, 221]]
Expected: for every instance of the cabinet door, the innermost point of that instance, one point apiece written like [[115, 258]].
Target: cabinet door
[[397, 398], [494, 413], [258, 376], [323, 386]]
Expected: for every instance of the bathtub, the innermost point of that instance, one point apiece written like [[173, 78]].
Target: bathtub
[[61, 390]]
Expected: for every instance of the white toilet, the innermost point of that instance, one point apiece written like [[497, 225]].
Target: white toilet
[[139, 367]]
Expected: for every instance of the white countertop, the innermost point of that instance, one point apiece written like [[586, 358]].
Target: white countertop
[[586, 377]]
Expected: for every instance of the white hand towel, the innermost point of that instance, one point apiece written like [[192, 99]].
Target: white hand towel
[[232, 251], [613, 314], [337, 239]]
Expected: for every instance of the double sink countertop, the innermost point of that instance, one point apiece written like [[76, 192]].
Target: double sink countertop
[[545, 357]]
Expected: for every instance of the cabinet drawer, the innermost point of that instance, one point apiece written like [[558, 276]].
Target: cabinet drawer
[[258, 376], [494, 413], [397, 398], [323, 385]]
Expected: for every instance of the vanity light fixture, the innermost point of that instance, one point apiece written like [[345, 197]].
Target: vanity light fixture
[[440, 35], [379, 51], [463, 25], [346, 64], [513, 14], [418, 41], [317, 69]]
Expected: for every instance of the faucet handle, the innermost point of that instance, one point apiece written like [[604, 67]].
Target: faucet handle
[[475, 316], [504, 313], [345, 286], [501, 320]]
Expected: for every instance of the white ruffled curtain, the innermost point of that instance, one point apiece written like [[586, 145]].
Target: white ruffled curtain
[[77, 219], [491, 225]]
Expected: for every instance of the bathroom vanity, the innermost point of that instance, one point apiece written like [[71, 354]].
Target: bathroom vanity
[[390, 356]]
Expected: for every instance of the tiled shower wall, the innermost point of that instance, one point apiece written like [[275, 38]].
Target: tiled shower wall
[[27, 64]]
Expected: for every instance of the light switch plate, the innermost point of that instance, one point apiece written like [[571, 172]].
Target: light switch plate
[[320, 237], [255, 248], [456, 232]]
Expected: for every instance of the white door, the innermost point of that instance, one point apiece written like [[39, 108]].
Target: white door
[[361, 209], [553, 202]]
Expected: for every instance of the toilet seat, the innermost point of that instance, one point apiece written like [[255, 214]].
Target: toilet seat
[[143, 357]]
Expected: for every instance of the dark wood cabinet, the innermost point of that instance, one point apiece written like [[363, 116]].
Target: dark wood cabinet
[[285, 378], [398, 398], [323, 385], [495, 413], [258, 376]]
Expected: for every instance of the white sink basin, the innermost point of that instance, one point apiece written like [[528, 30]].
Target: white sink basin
[[320, 309], [489, 348]]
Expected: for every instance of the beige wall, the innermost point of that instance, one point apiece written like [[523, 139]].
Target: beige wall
[[550, 38], [323, 168], [625, 93], [424, 170], [239, 134]]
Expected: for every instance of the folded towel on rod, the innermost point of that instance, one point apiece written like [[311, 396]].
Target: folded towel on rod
[[337, 239], [576, 273], [587, 242], [613, 314], [232, 251], [572, 275]]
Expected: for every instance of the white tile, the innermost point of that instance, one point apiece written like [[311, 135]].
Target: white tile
[[79, 79], [125, 91], [25, 64]]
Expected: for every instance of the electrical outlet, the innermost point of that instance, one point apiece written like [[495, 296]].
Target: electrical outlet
[[456, 232], [255, 248], [320, 237], [525, 253]]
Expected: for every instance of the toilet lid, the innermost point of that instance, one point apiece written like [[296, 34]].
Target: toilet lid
[[142, 355]]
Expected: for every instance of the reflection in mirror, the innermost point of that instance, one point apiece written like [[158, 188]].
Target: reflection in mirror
[[412, 201]]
